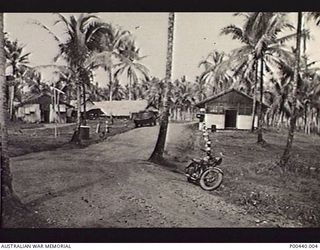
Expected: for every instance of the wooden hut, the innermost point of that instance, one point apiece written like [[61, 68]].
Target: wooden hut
[[230, 109], [39, 108]]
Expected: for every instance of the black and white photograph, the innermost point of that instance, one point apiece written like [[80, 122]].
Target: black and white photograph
[[160, 119]]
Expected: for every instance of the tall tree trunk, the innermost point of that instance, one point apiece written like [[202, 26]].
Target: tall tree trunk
[[260, 121], [305, 117], [58, 106], [76, 135], [8, 199], [78, 105], [318, 121], [157, 154], [11, 94], [110, 83], [11, 91], [254, 105], [84, 122], [130, 87], [286, 154]]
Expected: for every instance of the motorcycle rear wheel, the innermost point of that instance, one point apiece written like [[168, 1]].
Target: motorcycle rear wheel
[[211, 179]]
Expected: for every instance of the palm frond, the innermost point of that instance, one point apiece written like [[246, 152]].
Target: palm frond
[[47, 29]]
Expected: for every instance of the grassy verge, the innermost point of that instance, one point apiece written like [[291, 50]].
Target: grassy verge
[[29, 138], [252, 178]]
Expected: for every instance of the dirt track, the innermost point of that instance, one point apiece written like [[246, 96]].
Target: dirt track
[[111, 184]]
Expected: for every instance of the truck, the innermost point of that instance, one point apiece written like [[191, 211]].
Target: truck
[[145, 117]]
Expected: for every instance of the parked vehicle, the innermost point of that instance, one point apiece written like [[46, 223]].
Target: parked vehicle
[[205, 172], [145, 117]]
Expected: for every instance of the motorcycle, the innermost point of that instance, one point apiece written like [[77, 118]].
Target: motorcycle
[[205, 172]]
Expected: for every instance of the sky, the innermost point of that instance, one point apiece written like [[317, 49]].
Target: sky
[[195, 36]]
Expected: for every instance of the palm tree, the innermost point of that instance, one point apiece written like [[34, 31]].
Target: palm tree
[[17, 60], [83, 37], [131, 67], [112, 45], [261, 47], [157, 154], [216, 72], [155, 92], [200, 89], [181, 98], [9, 200], [286, 154]]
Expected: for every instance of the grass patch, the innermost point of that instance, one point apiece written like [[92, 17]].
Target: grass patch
[[252, 178], [37, 137]]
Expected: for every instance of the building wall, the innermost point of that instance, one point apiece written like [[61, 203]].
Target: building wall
[[214, 119], [54, 114], [244, 121], [29, 113], [216, 108]]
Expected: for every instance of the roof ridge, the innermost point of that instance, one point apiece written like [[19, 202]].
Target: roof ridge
[[226, 92]]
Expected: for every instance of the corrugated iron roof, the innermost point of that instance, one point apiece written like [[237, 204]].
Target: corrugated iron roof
[[224, 93], [121, 108]]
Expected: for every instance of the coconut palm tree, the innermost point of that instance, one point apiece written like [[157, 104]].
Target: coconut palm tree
[[17, 60], [131, 67], [181, 98], [83, 35], [112, 45], [286, 154], [157, 154], [200, 89], [216, 72], [262, 48], [6, 183], [155, 92], [9, 200]]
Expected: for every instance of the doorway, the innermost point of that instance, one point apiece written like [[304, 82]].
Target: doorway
[[230, 118], [45, 116]]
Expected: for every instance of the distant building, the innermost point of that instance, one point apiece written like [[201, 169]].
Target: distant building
[[39, 108], [89, 105], [231, 109], [121, 109]]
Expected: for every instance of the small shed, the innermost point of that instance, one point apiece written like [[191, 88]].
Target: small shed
[[39, 108], [230, 109]]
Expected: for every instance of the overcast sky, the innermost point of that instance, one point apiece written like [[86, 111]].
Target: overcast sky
[[196, 34]]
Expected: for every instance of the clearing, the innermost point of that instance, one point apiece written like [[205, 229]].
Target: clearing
[[111, 183]]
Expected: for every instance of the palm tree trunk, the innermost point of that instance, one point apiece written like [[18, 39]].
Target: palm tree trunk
[[260, 121], [130, 87], [58, 105], [8, 198], [110, 83], [84, 104], [157, 154], [305, 117], [76, 135], [11, 91], [78, 105], [11, 94], [286, 154], [254, 105], [318, 121]]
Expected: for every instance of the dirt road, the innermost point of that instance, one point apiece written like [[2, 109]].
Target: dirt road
[[111, 184]]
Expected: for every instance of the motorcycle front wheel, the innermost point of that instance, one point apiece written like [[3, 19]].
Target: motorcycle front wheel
[[211, 179]]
